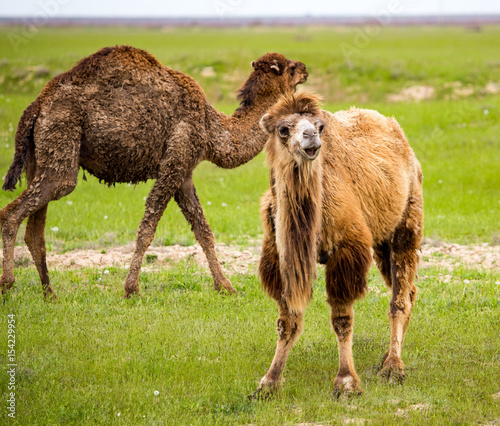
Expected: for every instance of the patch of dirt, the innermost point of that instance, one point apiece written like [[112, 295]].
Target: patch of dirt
[[453, 89], [414, 407], [449, 256], [413, 94], [235, 260]]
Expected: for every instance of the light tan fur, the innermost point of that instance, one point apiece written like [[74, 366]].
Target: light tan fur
[[368, 185]]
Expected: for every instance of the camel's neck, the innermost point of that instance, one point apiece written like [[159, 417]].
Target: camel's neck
[[236, 139], [298, 192]]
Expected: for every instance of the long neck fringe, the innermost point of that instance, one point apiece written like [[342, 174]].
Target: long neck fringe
[[298, 222]]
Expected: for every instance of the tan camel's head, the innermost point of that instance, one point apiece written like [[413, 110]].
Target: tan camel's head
[[295, 126], [273, 75]]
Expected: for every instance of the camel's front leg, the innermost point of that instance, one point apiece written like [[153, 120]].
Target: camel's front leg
[[346, 381], [157, 201], [289, 329], [346, 273], [190, 205]]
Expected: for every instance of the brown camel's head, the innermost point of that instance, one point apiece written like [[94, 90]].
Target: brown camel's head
[[295, 125], [294, 71], [272, 75]]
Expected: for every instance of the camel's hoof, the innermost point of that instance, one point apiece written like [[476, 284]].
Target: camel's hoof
[[226, 289], [392, 371], [50, 297], [348, 386], [394, 376], [263, 393], [130, 293], [6, 286], [266, 390]]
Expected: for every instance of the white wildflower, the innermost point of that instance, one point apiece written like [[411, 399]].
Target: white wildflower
[[69, 203], [224, 204], [156, 392], [105, 217], [106, 272], [209, 203], [54, 229], [466, 281]]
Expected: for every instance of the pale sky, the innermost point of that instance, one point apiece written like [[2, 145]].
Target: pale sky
[[241, 8]]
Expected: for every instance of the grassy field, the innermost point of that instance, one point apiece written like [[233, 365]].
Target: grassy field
[[95, 358]]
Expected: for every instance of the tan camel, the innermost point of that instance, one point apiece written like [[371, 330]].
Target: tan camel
[[335, 195], [124, 117]]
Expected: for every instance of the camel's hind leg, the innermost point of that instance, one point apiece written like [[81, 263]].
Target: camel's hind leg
[[289, 329], [190, 205], [403, 266], [34, 236], [35, 240], [53, 175], [46, 187]]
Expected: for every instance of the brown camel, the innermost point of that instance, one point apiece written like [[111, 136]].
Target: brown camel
[[124, 117], [335, 195]]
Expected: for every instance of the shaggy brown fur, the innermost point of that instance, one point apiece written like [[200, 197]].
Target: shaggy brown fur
[[366, 185], [124, 117]]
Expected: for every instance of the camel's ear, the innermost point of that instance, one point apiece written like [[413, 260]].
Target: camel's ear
[[252, 64], [275, 66], [265, 123]]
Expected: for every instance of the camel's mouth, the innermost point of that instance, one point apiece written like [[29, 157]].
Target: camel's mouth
[[310, 153]]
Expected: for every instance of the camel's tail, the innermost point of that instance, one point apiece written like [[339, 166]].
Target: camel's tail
[[24, 143]]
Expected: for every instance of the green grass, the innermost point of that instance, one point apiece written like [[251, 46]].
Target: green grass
[[92, 355]]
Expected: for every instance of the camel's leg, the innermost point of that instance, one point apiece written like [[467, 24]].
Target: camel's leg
[[190, 205], [404, 261], [44, 188], [156, 203], [35, 240], [342, 317], [289, 329], [346, 272], [34, 236]]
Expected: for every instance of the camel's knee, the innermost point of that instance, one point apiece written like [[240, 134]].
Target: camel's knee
[[289, 326], [403, 300], [63, 188], [342, 326]]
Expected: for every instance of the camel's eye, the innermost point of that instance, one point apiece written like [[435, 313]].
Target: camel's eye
[[321, 128], [284, 131]]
